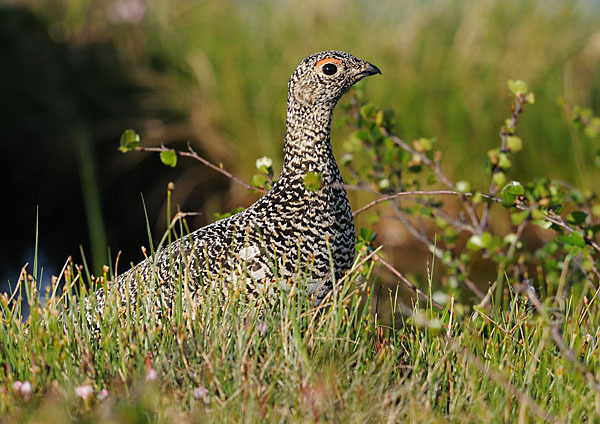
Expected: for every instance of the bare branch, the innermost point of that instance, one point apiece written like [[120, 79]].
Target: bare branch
[[408, 194], [550, 217], [191, 153], [422, 237], [558, 220], [435, 167]]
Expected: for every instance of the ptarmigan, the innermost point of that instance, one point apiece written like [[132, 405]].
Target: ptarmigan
[[290, 229]]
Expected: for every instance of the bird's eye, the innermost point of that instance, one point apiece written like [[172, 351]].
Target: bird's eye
[[329, 69]]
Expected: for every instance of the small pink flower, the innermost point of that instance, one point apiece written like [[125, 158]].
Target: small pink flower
[[84, 392], [26, 389], [126, 11], [102, 395], [17, 386], [151, 375], [262, 328], [201, 393]]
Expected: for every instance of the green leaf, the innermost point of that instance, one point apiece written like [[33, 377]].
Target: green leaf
[[489, 241], [510, 192], [538, 214], [587, 265], [450, 234], [530, 98], [353, 143], [592, 128], [517, 87], [440, 222], [518, 217], [379, 118], [576, 217], [499, 178], [573, 239], [219, 216], [347, 159], [384, 184], [169, 158], [493, 155], [510, 238], [423, 144], [367, 234], [475, 243], [258, 180], [477, 199], [463, 186], [368, 111], [503, 161], [312, 181], [514, 143], [129, 140], [543, 224]]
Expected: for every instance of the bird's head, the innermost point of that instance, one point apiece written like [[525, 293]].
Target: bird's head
[[322, 78]]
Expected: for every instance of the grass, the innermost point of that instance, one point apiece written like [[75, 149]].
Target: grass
[[276, 359]]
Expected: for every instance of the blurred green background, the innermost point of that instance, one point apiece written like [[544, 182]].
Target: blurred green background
[[76, 73]]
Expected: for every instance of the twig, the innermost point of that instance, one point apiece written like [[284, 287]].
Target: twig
[[422, 237], [414, 193], [459, 223], [433, 165], [406, 281], [360, 263], [191, 153], [510, 126], [550, 217], [436, 167], [519, 233], [558, 220]]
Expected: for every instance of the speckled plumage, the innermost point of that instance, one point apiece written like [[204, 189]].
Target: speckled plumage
[[290, 228]]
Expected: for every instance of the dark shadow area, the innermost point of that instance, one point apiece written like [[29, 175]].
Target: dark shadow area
[[63, 109]]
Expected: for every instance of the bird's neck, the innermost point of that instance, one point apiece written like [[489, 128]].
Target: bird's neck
[[307, 143]]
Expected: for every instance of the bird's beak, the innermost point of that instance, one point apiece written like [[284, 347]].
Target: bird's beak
[[368, 69]]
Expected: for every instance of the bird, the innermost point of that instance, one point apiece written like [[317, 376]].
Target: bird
[[292, 228]]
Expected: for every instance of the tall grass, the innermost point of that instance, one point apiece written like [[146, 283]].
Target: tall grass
[[255, 359]]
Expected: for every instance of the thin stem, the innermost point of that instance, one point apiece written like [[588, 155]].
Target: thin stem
[[558, 220], [406, 281], [191, 153], [422, 237], [555, 333], [408, 194], [433, 165], [517, 109], [550, 217]]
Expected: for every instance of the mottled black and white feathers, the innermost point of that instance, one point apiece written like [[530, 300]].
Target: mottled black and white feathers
[[290, 229]]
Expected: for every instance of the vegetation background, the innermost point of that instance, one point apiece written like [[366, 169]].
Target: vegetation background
[[214, 73], [516, 337]]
